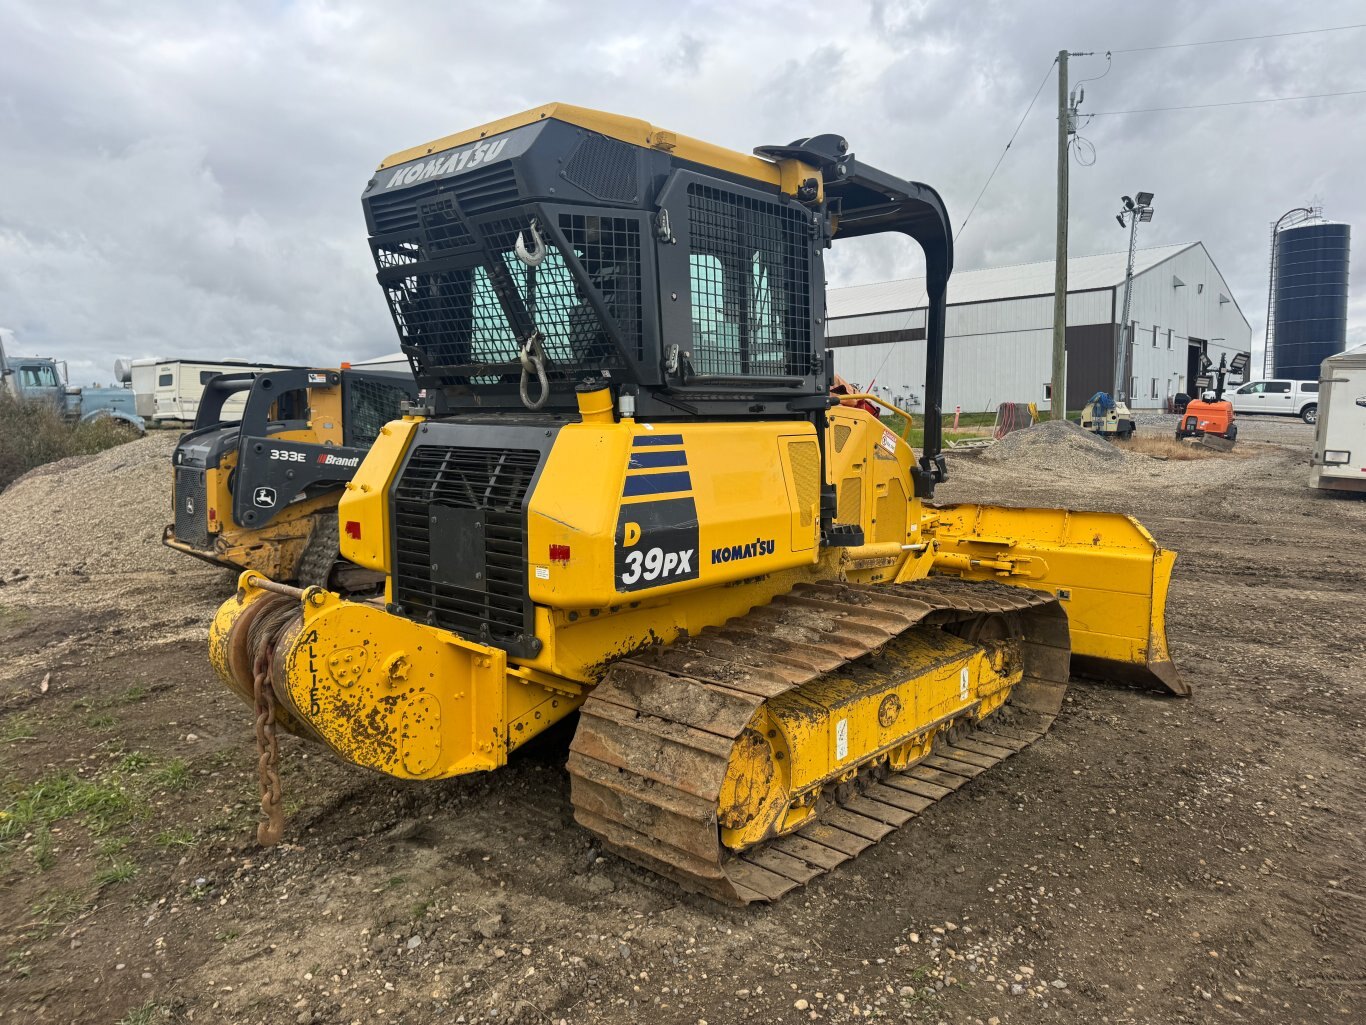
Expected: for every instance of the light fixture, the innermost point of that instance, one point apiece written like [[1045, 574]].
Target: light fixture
[[1120, 218], [1144, 198], [1146, 214]]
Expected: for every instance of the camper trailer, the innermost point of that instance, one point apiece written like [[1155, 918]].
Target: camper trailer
[[175, 385], [1339, 461]]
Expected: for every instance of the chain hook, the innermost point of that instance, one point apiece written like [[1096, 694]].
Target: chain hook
[[532, 358], [533, 256]]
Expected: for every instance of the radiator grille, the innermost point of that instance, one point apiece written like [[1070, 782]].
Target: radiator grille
[[850, 502], [475, 191], [191, 507], [806, 474], [494, 481]]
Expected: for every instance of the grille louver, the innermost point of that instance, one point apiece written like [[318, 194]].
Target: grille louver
[[494, 481], [191, 507]]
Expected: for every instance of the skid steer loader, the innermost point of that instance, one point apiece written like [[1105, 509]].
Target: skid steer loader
[[634, 497], [261, 493]]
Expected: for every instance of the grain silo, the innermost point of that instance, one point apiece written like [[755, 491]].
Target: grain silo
[[1309, 280]]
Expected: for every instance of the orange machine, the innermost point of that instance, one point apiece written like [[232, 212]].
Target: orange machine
[[1208, 415], [1211, 413]]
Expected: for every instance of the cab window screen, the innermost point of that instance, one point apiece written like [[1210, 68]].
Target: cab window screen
[[371, 404], [1277, 387], [470, 320], [750, 277]]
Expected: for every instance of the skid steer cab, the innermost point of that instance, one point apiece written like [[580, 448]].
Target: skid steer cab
[[261, 493], [631, 494]]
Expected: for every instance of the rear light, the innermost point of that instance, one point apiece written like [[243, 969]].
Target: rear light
[[1336, 457], [559, 553], [353, 529], [213, 514]]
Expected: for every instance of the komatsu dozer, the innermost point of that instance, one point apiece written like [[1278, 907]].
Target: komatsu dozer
[[633, 497]]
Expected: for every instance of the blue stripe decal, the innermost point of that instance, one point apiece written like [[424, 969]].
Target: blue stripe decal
[[657, 484], [645, 460], [651, 440]]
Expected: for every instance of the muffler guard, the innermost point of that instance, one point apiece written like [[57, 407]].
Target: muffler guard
[[1106, 570]]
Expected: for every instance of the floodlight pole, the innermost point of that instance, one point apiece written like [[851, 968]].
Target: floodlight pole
[[1129, 217], [1057, 407], [1121, 350]]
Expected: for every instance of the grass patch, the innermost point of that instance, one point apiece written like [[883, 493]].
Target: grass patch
[[1163, 447], [112, 845], [17, 727], [133, 763], [59, 908], [118, 872], [179, 836], [97, 803], [172, 775], [136, 692], [18, 962], [144, 1015], [41, 850], [419, 909], [33, 433], [102, 723]]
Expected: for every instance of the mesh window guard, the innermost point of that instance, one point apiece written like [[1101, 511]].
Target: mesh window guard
[[371, 404], [478, 315], [750, 275]]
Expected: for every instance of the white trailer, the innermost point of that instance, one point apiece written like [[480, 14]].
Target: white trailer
[[1339, 461], [167, 391]]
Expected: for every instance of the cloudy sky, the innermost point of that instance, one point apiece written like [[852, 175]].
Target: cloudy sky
[[184, 179]]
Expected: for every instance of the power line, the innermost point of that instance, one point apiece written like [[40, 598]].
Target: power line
[[1242, 39], [1229, 103], [1047, 75]]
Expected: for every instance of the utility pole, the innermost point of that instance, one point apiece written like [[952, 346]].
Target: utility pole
[[1058, 405]]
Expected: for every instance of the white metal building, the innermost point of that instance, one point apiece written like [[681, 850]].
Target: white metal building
[[999, 337]]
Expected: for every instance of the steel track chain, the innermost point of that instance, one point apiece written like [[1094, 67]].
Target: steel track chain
[[655, 736]]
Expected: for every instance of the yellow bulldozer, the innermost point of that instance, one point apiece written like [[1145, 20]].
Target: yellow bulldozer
[[632, 496]]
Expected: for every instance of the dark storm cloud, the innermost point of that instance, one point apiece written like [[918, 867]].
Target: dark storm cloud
[[185, 179]]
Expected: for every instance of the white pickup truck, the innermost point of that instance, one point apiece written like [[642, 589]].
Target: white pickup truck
[[1278, 395]]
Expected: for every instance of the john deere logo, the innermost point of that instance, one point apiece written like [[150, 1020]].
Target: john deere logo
[[189, 506], [264, 497]]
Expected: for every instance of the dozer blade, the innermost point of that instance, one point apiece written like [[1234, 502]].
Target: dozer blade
[[1108, 572]]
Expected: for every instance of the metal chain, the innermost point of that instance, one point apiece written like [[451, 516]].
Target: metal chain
[[272, 824]]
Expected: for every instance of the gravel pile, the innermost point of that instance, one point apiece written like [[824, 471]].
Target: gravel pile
[[1056, 446], [85, 533], [93, 514]]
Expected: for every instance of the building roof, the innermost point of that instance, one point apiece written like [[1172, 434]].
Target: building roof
[[974, 286]]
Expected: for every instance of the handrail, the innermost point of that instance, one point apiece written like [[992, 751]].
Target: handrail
[[868, 396]]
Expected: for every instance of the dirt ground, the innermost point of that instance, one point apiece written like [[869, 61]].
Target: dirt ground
[[1152, 860]]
